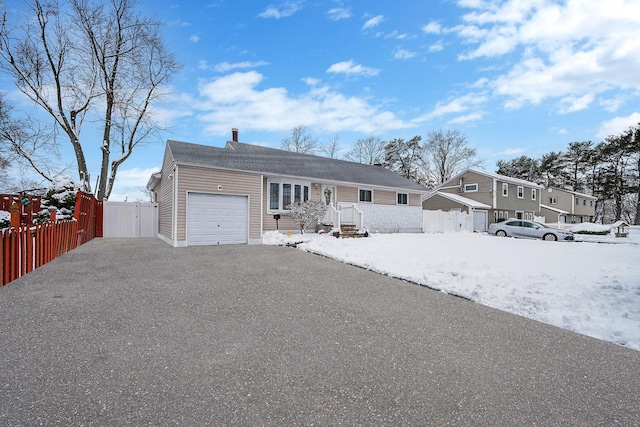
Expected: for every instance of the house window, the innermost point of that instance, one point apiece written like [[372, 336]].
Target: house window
[[584, 202], [577, 201], [534, 194], [520, 192], [403, 199], [365, 195], [274, 196], [505, 214], [282, 194], [505, 189], [495, 216], [553, 200], [591, 203], [470, 188], [500, 216]]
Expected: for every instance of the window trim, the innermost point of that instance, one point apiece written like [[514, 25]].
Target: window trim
[[520, 192], [370, 190], [505, 189], [304, 191], [553, 200], [474, 186], [406, 198], [534, 194]]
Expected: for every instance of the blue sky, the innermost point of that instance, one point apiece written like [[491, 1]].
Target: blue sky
[[521, 77]]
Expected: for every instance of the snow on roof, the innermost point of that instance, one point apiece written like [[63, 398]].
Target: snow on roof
[[618, 224], [460, 199], [575, 193], [553, 209]]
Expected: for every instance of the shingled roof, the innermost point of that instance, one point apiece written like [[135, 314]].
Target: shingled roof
[[269, 161]]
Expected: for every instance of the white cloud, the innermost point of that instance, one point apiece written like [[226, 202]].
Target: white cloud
[[224, 67], [351, 68], [282, 10], [472, 117], [339, 13], [130, 184], [618, 125], [454, 106], [432, 27], [573, 50], [194, 38], [436, 47], [373, 22], [403, 54], [236, 99]]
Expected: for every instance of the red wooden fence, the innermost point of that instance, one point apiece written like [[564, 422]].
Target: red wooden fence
[[28, 247]]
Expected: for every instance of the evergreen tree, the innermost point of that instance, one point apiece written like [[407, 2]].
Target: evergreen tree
[[523, 167], [61, 196], [577, 159], [406, 158]]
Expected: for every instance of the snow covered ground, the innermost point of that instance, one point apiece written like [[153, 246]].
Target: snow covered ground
[[590, 286]]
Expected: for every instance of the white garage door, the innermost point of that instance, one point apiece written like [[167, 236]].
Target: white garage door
[[216, 219], [479, 220]]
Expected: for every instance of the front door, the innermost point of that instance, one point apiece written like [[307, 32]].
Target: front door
[[329, 195]]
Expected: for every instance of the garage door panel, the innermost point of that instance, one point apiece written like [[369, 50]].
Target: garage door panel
[[216, 219]]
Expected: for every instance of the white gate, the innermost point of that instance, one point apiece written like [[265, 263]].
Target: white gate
[[124, 219], [446, 222]]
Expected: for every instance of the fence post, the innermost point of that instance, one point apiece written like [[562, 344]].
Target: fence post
[[15, 215]]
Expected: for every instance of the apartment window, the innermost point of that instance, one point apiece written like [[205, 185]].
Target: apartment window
[[577, 201], [591, 203], [520, 192], [495, 216], [506, 214], [584, 202], [534, 194], [403, 199], [282, 194], [365, 195], [500, 215], [553, 200], [505, 189], [470, 188]]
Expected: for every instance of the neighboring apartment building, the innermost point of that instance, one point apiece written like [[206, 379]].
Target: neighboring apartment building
[[503, 197], [566, 206]]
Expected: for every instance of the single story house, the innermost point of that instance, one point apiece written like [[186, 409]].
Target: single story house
[[502, 197], [566, 206], [210, 195]]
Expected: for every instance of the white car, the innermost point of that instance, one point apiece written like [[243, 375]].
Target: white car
[[529, 230]]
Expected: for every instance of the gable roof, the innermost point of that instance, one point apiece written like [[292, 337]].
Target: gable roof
[[496, 177], [575, 193], [459, 199], [270, 161]]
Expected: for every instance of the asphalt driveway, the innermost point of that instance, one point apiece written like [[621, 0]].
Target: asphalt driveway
[[134, 332]]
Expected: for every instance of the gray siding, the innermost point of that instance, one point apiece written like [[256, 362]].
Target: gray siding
[[485, 188], [512, 202], [438, 202]]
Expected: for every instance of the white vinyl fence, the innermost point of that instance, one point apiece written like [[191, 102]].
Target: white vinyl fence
[[123, 219], [446, 222]]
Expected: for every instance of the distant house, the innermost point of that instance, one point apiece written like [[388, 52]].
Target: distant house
[[499, 197], [210, 195], [566, 206]]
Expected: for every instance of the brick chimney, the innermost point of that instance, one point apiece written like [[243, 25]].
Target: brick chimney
[[234, 134]]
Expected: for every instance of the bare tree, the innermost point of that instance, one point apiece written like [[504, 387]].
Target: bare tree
[[332, 148], [300, 141], [368, 151], [88, 59], [26, 141], [448, 154]]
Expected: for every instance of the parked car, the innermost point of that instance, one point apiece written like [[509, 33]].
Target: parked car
[[529, 230]]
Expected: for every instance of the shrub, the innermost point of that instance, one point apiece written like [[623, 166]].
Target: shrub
[[307, 213]]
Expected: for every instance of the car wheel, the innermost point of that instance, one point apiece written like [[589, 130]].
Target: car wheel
[[550, 237], [501, 233]]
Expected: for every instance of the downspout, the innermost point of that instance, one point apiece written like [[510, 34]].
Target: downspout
[[495, 194], [261, 206]]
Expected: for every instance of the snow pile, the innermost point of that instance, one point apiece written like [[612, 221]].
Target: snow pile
[[590, 227], [590, 288], [5, 219], [276, 238]]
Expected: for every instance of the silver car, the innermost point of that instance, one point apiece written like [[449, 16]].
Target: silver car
[[529, 230]]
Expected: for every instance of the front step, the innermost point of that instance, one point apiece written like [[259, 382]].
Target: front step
[[350, 230]]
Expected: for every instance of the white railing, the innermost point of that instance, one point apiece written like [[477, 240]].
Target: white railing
[[332, 216], [352, 215]]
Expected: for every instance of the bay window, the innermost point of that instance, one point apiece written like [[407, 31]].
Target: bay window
[[285, 192]]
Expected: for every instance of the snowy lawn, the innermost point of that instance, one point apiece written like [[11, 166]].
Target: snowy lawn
[[591, 286]]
